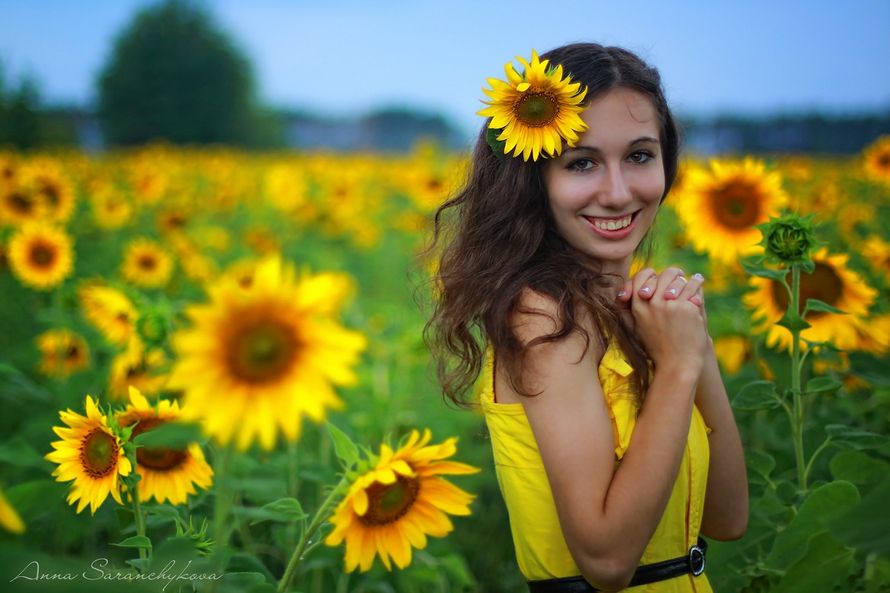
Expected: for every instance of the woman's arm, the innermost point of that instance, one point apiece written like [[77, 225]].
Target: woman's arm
[[608, 516], [726, 502]]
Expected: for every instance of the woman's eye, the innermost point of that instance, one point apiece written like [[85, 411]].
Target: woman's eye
[[580, 165], [641, 156]]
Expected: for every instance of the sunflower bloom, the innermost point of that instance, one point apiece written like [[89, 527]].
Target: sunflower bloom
[[166, 474], [536, 110], [731, 352], [147, 264], [110, 208], [720, 206], [91, 455], [394, 507], [45, 180], [831, 282], [137, 367], [259, 358], [110, 311], [877, 252], [876, 159], [41, 255], [62, 352]]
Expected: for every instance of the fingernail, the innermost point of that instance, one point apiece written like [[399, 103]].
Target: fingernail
[[621, 293], [672, 291], [698, 276], [646, 290]]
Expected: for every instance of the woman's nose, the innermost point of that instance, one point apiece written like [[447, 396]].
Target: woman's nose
[[615, 191]]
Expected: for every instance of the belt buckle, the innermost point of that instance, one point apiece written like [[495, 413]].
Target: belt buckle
[[696, 560]]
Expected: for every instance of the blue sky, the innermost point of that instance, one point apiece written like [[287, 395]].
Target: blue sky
[[342, 57]]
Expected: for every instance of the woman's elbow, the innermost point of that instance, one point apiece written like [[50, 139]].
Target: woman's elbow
[[608, 574], [730, 529]]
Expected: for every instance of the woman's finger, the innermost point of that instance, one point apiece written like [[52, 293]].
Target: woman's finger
[[665, 280], [644, 283]]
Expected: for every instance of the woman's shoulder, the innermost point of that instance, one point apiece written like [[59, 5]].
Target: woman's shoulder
[[539, 314]]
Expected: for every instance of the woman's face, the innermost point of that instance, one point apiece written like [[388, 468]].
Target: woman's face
[[604, 193]]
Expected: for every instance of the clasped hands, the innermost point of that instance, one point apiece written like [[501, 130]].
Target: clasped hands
[[671, 284]]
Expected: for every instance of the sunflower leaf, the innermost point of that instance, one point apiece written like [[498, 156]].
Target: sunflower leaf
[[757, 395], [756, 270], [820, 384], [820, 306], [283, 510], [793, 323], [136, 541], [175, 435], [346, 450], [854, 437]]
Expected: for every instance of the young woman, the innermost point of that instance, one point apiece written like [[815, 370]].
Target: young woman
[[614, 443]]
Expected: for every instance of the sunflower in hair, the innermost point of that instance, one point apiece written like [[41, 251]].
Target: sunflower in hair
[[536, 110]]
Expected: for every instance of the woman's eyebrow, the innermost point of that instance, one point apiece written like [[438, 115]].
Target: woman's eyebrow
[[640, 140]]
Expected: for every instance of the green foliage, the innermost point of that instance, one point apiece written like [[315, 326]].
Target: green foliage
[[174, 75]]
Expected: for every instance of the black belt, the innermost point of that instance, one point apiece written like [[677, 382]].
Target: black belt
[[693, 562]]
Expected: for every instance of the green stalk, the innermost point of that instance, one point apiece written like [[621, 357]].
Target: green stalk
[[222, 501], [798, 416], [322, 515], [140, 519]]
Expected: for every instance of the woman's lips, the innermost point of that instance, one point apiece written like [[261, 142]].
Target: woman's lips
[[616, 234]]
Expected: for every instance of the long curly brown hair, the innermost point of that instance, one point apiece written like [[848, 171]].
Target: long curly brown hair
[[497, 237]]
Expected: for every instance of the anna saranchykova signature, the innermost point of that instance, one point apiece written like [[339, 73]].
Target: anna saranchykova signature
[[99, 570]]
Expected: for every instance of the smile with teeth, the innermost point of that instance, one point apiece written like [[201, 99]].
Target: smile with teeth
[[612, 224]]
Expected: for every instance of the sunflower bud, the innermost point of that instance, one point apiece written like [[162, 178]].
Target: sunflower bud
[[152, 327], [789, 238]]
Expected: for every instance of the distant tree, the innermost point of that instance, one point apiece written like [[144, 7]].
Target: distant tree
[[174, 75], [19, 121]]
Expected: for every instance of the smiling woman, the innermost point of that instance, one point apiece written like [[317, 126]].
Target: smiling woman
[[612, 436]]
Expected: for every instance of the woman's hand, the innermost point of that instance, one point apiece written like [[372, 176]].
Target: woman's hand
[[673, 291], [669, 315]]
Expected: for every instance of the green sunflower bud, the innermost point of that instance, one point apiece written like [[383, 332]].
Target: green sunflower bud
[[789, 238], [152, 327]]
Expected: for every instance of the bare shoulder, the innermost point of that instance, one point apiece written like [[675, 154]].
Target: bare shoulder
[[539, 315]]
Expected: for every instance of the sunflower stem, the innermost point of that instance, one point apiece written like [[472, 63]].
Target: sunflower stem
[[222, 501], [322, 515], [798, 416], [140, 519]]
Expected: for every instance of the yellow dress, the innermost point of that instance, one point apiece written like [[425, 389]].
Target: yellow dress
[[541, 550]]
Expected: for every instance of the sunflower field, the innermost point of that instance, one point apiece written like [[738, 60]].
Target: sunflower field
[[214, 378]]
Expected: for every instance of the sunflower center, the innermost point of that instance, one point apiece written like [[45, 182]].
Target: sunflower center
[[43, 254], [73, 352], [157, 458], [51, 193], [884, 160], [823, 284], [736, 205], [434, 184], [98, 453], [387, 503], [147, 262], [536, 109], [261, 351], [21, 203]]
